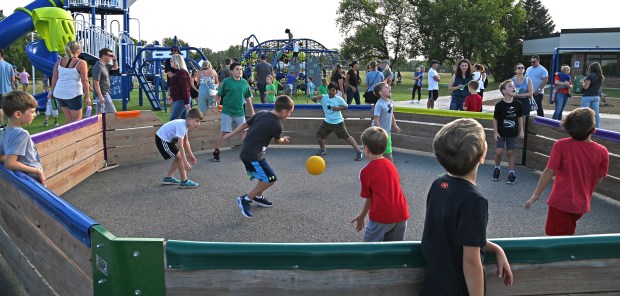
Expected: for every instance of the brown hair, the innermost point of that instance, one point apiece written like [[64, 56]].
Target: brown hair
[[283, 102], [375, 139], [502, 86], [459, 145], [473, 84], [580, 123], [194, 114], [17, 101], [380, 86]]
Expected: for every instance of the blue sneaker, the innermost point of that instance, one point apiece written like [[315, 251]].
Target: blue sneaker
[[263, 202], [171, 181], [188, 184], [244, 206]]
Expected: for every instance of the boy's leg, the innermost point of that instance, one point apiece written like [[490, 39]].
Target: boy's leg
[[397, 233], [259, 189], [511, 159], [388, 149], [560, 222]]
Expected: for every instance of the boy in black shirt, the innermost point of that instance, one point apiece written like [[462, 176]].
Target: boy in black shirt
[[263, 126], [507, 125], [454, 240]]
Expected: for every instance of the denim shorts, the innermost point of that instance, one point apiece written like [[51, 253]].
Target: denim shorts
[[227, 121], [72, 104]]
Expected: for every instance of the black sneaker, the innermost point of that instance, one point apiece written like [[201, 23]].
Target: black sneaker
[[496, 174], [321, 152], [216, 155], [359, 155], [511, 178], [261, 201], [244, 206]]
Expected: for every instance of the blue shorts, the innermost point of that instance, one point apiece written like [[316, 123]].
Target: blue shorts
[[72, 104], [509, 142], [260, 170]]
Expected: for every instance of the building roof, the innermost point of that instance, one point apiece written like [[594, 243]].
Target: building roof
[[585, 38]]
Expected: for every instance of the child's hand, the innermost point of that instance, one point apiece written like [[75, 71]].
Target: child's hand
[[226, 136], [187, 166], [359, 223], [286, 139], [530, 201], [193, 159], [503, 268], [521, 135], [396, 128], [41, 177], [496, 135]]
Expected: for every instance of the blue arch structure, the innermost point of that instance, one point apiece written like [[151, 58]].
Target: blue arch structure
[[276, 50]]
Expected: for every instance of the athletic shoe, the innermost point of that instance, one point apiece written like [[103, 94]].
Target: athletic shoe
[[321, 152], [188, 184], [55, 123], [496, 174], [511, 178], [216, 155], [171, 181], [359, 155], [244, 206], [45, 123], [261, 201]]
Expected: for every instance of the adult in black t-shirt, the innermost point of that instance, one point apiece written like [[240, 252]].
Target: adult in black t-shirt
[[592, 86], [338, 79], [456, 216], [352, 82]]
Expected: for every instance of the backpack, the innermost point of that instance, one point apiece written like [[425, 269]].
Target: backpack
[[486, 81]]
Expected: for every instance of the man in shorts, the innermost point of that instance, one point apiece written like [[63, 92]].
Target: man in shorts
[[433, 85], [234, 93]]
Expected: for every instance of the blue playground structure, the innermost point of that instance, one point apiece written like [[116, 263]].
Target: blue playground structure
[[59, 21], [314, 57]]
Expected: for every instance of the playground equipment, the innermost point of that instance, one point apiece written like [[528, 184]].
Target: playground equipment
[[314, 57]]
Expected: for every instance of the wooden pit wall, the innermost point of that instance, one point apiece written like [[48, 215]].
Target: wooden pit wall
[[132, 140], [541, 139], [45, 256], [72, 157], [595, 277]]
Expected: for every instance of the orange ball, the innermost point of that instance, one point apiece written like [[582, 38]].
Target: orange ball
[[315, 165]]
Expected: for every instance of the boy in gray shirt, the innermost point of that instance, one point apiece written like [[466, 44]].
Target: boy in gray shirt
[[101, 81], [17, 151]]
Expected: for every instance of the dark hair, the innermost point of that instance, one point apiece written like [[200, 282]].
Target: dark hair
[[233, 65], [283, 102], [104, 51], [332, 85], [502, 86], [227, 61], [473, 84], [459, 145], [287, 31], [596, 69], [353, 63], [375, 139], [194, 114], [17, 101], [433, 62], [580, 123], [535, 57], [458, 68]]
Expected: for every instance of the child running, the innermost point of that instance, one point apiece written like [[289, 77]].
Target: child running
[[578, 164], [334, 121], [507, 125], [17, 150], [262, 127], [454, 239], [385, 202], [166, 139], [384, 115]]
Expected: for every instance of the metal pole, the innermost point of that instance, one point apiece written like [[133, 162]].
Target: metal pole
[[34, 79]]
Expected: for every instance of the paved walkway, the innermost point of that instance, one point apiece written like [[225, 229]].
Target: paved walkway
[[608, 121]]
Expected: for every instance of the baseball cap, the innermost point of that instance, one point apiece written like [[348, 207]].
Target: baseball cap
[[387, 62]]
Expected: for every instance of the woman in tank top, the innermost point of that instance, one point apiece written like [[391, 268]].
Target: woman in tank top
[[208, 82], [458, 84], [523, 87], [70, 82]]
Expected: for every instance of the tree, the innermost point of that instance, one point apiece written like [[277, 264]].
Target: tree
[[375, 29], [539, 22], [450, 30], [514, 24]]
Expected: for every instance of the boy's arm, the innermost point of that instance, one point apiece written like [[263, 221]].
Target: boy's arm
[[359, 220], [240, 128], [283, 140], [521, 130], [396, 127], [188, 149], [472, 269], [377, 120], [248, 100], [316, 98], [11, 163], [495, 133], [183, 156], [545, 178], [503, 267]]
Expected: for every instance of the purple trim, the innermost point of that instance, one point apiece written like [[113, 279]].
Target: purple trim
[[600, 133], [269, 106], [65, 129]]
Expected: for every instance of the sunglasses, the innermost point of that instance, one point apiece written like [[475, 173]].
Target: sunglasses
[[533, 62], [518, 67]]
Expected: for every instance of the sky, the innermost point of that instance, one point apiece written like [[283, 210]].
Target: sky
[[219, 24]]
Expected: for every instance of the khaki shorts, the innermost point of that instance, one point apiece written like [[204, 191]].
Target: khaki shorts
[[327, 128]]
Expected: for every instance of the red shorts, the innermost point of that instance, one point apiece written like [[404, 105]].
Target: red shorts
[[560, 222]]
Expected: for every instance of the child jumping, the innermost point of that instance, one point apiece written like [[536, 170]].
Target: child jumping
[[17, 150], [454, 239], [507, 125], [384, 114], [166, 139], [262, 127], [385, 202], [578, 164], [334, 121]]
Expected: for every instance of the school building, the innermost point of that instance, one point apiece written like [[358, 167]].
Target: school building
[[579, 48]]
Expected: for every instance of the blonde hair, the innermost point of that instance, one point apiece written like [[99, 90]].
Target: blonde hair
[[178, 59], [206, 65], [71, 48], [565, 68], [375, 139]]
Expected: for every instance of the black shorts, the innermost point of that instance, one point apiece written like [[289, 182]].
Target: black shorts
[[260, 170], [295, 54], [433, 94], [167, 149], [327, 128]]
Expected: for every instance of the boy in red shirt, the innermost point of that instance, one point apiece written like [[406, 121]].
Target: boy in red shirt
[[578, 164], [473, 102], [385, 202]]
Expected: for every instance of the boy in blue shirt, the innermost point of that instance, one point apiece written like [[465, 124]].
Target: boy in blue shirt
[[334, 122], [17, 150]]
